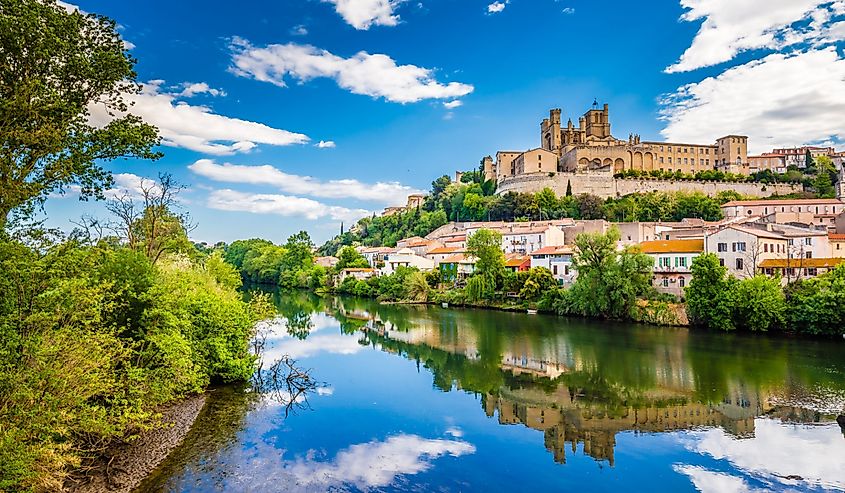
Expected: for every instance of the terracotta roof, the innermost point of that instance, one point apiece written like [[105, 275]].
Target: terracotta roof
[[455, 239], [750, 203], [800, 263], [458, 259], [516, 261], [357, 269], [442, 250], [762, 233], [552, 250], [836, 237], [673, 246]]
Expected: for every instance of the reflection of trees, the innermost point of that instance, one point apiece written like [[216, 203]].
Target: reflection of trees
[[286, 383]]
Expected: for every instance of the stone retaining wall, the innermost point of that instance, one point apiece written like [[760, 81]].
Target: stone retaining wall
[[605, 185]]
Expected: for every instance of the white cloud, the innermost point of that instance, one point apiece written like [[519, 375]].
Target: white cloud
[[713, 482], [568, 10], [69, 6], [372, 75], [453, 104], [779, 451], [495, 7], [397, 455], [385, 192], [193, 88], [780, 100], [283, 205], [733, 26], [362, 14], [196, 127], [326, 144], [299, 30]]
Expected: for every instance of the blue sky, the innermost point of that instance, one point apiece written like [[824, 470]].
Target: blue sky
[[400, 92]]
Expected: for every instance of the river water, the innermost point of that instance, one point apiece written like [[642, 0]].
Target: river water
[[422, 398]]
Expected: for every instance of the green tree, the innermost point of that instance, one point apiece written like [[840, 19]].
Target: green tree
[[710, 295], [823, 185], [539, 281], [54, 66], [350, 258], [609, 281], [817, 305], [486, 246], [760, 304]]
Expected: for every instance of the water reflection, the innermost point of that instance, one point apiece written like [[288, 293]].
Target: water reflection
[[585, 385], [728, 412]]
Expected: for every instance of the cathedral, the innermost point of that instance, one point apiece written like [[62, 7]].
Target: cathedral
[[590, 147]]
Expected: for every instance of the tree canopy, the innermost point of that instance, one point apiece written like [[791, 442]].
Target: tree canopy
[[55, 66]]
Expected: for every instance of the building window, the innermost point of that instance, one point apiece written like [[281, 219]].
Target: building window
[[765, 248], [739, 264], [665, 282], [682, 261], [722, 247], [721, 262], [682, 282], [808, 241], [661, 159]]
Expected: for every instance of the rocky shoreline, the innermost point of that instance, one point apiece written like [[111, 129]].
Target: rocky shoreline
[[125, 466]]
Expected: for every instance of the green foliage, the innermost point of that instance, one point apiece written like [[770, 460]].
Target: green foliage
[[538, 282], [709, 296], [54, 65], [759, 304], [350, 258], [486, 246], [817, 305], [94, 338], [609, 281]]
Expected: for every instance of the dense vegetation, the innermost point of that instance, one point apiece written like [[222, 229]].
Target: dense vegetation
[[94, 335], [101, 327], [475, 201], [814, 306]]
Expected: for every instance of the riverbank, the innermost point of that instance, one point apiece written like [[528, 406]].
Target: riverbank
[[123, 467]]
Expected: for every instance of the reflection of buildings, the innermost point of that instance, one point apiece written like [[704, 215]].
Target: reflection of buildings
[[566, 423]]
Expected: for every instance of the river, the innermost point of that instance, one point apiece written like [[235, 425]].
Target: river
[[424, 398]]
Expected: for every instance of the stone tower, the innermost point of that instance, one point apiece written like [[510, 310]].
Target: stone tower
[[550, 131]]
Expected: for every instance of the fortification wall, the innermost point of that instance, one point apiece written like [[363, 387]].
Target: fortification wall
[[605, 185]]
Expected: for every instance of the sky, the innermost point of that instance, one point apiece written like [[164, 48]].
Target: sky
[[285, 115]]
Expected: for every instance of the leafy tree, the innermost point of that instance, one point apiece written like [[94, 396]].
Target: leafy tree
[[539, 281], [609, 281], [350, 258], [710, 295], [817, 305], [760, 304], [824, 186], [54, 67], [486, 246], [297, 259], [589, 206]]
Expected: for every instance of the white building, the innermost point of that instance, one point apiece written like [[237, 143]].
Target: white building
[[405, 257], [672, 263], [741, 249], [557, 259]]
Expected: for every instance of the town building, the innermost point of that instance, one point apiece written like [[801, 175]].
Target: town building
[[558, 260], [327, 262], [360, 273], [405, 257], [797, 156], [517, 263], [741, 249], [672, 263], [457, 267], [793, 269], [442, 253], [824, 210], [591, 147], [837, 245], [776, 163]]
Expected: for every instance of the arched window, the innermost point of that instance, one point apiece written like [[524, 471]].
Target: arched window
[[682, 282]]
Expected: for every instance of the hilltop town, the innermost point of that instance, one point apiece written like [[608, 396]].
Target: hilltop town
[[755, 232]]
